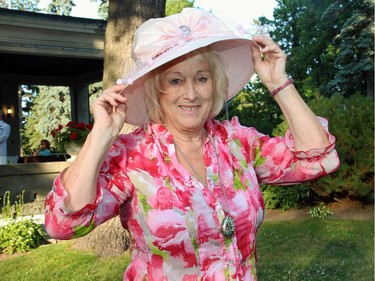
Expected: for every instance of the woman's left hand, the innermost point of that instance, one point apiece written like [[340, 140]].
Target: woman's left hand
[[269, 62]]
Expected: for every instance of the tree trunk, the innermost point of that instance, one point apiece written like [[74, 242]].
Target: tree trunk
[[108, 239], [124, 16]]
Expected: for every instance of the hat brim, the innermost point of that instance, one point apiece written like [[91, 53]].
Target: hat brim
[[235, 53]]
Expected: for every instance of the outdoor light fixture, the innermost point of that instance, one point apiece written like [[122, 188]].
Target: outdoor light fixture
[[9, 112]]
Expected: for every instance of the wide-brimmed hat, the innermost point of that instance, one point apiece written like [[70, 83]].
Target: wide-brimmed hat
[[161, 40]]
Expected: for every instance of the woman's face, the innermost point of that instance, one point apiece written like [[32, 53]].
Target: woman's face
[[188, 92]]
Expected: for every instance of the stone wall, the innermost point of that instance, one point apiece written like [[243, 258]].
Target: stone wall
[[35, 178]]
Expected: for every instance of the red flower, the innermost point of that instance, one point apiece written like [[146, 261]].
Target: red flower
[[80, 126], [73, 135], [71, 132]]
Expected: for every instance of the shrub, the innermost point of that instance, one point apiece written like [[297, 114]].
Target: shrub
[[21, 236], [18, 234], [351, 121], [319, 212], [285, 197]]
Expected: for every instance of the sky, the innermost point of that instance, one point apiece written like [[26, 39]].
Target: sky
[[241, 11]]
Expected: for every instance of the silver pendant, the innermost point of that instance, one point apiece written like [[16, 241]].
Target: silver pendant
[[227, 227]]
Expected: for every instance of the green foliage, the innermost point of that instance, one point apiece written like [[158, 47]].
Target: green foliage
[[10, 211], [104, 6], [355, 47], [176, 6], [351, 121], [70, 133], [103, 9], [50, 107], [285, 197], [319, 212], [21, 236], [60, 7], [22, 5], [254, 107], [45, 109], [330, 44], [18, 234]]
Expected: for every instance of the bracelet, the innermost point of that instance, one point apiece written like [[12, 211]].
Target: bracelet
[[286, 84]]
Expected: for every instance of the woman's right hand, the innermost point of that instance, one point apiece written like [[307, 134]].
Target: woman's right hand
[[80, 179], [109, 110]]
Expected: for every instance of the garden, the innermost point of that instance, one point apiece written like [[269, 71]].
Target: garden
[[321, 230], [305, 250], [325, 242]]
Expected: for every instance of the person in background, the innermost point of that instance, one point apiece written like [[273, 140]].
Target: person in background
[[185, 185], [4, 135], [44, 149]]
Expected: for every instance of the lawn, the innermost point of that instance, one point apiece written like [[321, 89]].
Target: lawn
[[312, 250], [289, 250]]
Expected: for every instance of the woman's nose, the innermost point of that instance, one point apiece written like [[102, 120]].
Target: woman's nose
[[190, 91]]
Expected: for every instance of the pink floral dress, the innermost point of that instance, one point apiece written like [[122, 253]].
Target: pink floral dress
[[174, 220]]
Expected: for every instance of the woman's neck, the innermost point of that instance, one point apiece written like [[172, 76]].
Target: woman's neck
[[190, 138]]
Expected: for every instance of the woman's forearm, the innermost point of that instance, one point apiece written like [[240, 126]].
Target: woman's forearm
[[80, 179], [306, 129]]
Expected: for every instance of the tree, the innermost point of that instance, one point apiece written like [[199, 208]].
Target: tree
[[354, 143], [123, 19], [355, 42], [103, 9], [176, 6], [254, 107], [60, 7], [51, 107], [22, 5], [329, 43]]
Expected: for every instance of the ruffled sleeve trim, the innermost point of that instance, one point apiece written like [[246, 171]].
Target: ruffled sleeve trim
[[315, 152], [62, 194]]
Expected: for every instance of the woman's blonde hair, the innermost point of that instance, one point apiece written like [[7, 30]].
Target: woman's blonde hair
[[220, 81]]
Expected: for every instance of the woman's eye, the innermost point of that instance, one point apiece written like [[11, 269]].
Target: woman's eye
[[175, 81], [202, 79]]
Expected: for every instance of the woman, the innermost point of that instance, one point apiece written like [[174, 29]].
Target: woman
[[185, 185]]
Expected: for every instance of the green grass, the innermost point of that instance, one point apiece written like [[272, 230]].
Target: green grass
[[307, 250], [316, 250], [62, 262]]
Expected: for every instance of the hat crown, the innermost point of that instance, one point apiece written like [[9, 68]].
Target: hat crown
[[157, 36]]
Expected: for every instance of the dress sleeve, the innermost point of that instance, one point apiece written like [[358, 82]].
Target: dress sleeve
[[276, 161], [113, 189]]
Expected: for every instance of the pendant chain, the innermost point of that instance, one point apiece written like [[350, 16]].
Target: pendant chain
[[196, 174], [200, 178], [227, 225]]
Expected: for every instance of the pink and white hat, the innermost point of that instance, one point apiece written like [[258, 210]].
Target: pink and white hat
[[160, 40]]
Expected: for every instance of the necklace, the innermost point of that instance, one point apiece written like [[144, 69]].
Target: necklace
[[227, 226]]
